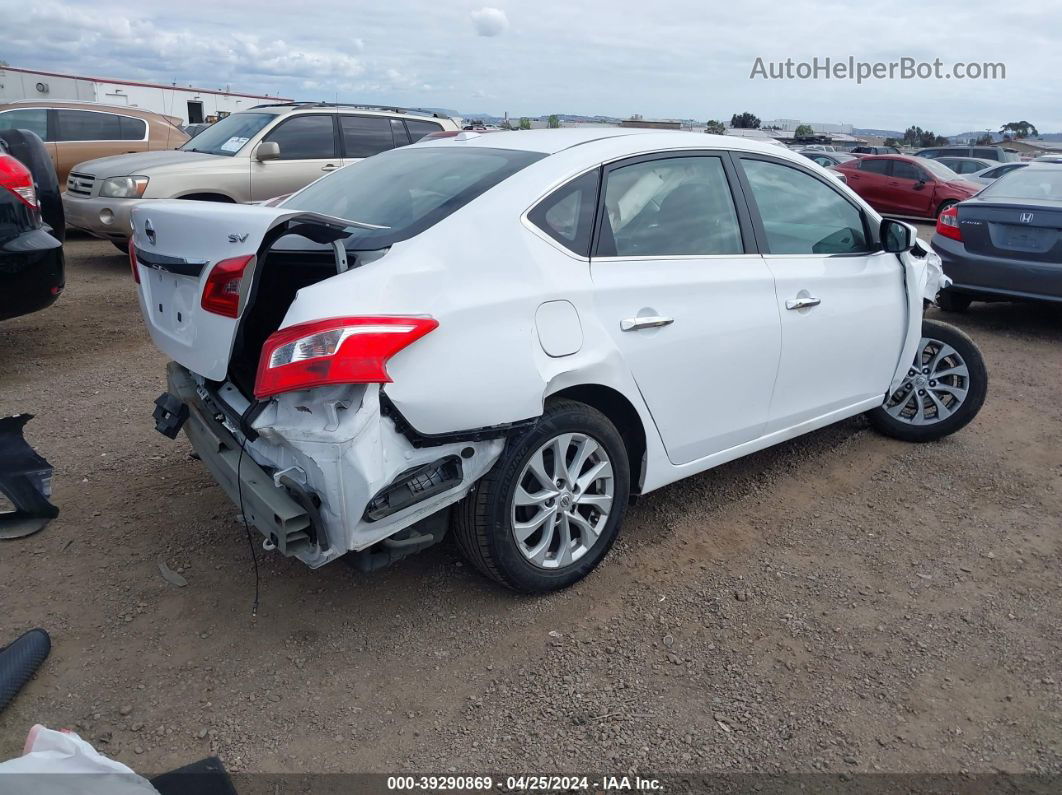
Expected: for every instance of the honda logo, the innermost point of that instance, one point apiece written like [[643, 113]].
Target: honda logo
[[149, 230], [1026, 218]]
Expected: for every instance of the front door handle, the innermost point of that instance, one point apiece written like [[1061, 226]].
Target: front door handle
[[645, 321], [803, 302], [329, 167]]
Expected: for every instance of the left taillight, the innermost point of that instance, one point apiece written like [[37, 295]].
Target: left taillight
[[342, 350], [16, 178], [221, 294], [132, 262]]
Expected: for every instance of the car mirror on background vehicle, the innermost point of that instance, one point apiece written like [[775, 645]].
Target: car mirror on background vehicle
[[267, 150], [896, 236]]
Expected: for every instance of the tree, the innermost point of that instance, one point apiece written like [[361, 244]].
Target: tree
[[893, 142], [1019, 129], [553, 122], [984, 140], [525, 123], [715, 127], [916, 136], [745, 121], [803, 131]]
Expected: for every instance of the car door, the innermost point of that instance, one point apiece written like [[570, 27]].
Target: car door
[[308, 150], [841, 300], [687, 300], [867, 178], [910, 188]]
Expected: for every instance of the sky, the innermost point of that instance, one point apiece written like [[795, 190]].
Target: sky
[[668, 59]]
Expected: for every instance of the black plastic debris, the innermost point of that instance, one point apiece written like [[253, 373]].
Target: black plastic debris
[[25, 480], [19, 660]]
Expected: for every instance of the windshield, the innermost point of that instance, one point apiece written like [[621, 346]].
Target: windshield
[[228, 136], [937, 169], [407, 190], [1027, 183]]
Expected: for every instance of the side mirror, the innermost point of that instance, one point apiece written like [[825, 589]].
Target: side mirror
[[896, 236], [267, 150]]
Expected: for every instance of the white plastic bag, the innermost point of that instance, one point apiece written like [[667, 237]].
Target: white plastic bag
[[61, 763]]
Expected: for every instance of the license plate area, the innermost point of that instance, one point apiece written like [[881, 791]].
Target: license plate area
[[1024, 238]]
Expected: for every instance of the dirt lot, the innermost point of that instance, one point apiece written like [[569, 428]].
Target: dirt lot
[[843, 602]]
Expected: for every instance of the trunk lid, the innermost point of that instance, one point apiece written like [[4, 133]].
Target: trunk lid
[[177, 245], [1029, 230]]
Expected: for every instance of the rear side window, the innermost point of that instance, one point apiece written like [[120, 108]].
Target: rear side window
[[991, 154], [132, 129], [669, 207], [418, 129], [33, 119], [874, 166], [306, 138], [365, 136], [567, 214], [802, 215], [88, 125]]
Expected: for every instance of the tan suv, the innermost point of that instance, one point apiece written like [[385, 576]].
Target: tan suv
[[77, 131], [254, 155]]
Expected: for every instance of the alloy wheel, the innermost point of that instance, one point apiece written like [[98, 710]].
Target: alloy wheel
[[562, 500], [935, 387]]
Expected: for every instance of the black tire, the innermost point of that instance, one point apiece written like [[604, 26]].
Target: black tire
[[483, 520], [945, 205], [976, 385], [951, 301], [121, 245]]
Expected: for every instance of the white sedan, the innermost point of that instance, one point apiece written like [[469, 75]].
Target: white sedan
[[509, 335]]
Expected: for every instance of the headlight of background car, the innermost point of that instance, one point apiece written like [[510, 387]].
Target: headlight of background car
[[123, 187]]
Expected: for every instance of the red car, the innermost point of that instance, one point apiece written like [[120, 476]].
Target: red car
[[902, 185]]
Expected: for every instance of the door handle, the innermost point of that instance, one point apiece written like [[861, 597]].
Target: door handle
[[803, 302], [329, 167], [645, 321]]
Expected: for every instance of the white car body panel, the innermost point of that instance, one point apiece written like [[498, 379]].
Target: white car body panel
[[736, 372]]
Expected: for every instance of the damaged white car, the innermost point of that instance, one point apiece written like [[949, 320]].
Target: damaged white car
[[510, 335]]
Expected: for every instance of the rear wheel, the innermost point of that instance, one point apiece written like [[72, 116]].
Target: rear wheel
[[945, 205], [944, 388], [549, 510], [953, 302]]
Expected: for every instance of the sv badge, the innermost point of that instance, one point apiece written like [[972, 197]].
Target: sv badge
[[234, 238]]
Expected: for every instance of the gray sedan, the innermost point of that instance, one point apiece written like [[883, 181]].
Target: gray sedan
[[989, 175], [826, 159]]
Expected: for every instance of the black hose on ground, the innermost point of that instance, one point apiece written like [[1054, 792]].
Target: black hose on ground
[[20, 660]]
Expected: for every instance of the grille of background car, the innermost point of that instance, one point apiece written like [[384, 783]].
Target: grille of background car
[[81, 184]]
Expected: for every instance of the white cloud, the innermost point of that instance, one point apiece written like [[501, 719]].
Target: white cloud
[[490, 21]]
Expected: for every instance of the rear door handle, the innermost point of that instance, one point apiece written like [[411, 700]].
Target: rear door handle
[[645, 321], [803, 302]]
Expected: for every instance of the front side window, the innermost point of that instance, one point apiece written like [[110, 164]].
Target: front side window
[[901, 169], [679, 206], [364, 136], [802, 215], [88, 125], [567, 214], [33, 119], [306, 137]]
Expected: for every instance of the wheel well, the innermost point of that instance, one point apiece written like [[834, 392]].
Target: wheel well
[[208, 197], [945, 204], [622, 414]]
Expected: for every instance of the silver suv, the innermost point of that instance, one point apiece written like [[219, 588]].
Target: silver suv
[[255, 155]]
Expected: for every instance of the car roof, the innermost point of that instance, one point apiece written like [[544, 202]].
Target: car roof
[[279, 108], [132, 110], [640, 139], [973, 159]]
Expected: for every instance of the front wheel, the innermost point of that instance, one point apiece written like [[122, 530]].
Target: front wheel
[[944, 388], [550, 508]]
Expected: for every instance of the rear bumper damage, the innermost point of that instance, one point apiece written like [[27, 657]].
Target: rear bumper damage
[[324, 472]]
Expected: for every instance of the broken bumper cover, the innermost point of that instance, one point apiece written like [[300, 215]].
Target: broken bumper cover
[[322, 475]]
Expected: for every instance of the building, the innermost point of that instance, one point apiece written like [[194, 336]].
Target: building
[[192, 105], [790, 125], [1030, 147]]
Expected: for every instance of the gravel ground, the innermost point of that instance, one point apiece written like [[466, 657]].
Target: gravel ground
[[840, 603]]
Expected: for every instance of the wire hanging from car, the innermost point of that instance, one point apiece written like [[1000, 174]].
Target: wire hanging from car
[[246, 526]]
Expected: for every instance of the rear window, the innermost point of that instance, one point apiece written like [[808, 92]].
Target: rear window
[[1027, 183], [407, 190]]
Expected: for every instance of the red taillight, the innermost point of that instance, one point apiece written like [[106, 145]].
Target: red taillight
[[948, 223], [132, 262], [221, 295], [16, 178], [341, 350]]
